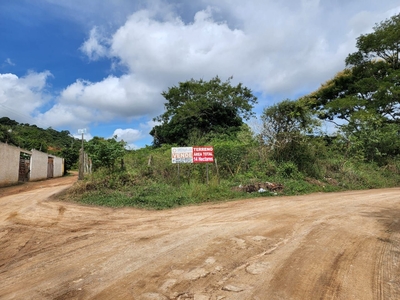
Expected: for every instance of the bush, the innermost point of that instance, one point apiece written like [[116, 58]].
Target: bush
[[288, 170]]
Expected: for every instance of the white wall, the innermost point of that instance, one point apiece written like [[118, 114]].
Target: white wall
[[58, 166], [39, 162], [9, 164]]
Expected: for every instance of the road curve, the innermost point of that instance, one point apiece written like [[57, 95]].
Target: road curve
[[321, 246]]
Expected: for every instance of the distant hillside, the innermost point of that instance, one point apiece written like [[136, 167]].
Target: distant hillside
[[51, 141]]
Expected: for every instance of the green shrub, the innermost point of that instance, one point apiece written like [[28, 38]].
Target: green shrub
[[288, 170]]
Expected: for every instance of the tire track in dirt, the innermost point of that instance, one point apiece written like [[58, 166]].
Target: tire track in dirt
[[387, 266]]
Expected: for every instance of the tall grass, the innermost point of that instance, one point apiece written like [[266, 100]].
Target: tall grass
[[150, 181]]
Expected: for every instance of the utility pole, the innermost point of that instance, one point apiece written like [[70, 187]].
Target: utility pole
[[81, 157]]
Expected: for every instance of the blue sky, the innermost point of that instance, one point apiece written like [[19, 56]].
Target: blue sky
[[102, 65]]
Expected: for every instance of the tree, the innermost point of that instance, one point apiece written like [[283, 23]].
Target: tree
[[285, 129], [70, 153], [286, 120], [202, 107], [366, 94], [372, 142], [7, 135], [105, 153], [7, 121], [369, 87]]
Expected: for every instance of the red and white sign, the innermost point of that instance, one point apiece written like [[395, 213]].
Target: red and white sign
[[203, 154]]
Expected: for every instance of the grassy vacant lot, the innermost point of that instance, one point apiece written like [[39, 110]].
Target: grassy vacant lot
[[149, 179]]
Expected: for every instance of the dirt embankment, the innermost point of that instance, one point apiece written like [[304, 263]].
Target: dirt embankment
[[321, 246]]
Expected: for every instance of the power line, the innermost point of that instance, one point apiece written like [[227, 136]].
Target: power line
[[18, 113]]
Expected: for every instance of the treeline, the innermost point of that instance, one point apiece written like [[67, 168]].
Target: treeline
[[26, 136]]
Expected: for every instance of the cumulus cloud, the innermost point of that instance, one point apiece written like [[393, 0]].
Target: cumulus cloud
[[21, 97], [114, 96], [149, 125], [61, 116], [283, 54], [163, 52], [128, 135], [84, 102], [158, 54]]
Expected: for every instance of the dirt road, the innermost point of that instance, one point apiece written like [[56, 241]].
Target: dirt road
[[321, 246]]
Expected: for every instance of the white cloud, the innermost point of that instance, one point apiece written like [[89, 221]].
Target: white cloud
[[87, 136], [275, 49], [61, 116], [114, 96], [149, 124], [165, 52], [21, 97], [95, 46], [9, 62], [128, 135], [84, 102]]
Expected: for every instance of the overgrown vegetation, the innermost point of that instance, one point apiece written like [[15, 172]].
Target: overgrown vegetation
[[287, 147], [150, 180]]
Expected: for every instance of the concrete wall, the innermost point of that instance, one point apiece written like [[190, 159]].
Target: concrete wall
[[58, 166], [9, 164], [38, 165]]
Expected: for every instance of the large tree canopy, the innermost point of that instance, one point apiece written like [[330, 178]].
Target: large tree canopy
[[369, 87], [366, 94], [202, 107]]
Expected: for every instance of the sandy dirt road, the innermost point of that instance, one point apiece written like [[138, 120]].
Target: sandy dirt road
[[321, 246]]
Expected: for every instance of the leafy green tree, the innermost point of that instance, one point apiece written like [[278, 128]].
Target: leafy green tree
[[369, 86], [7, 121], [366, 95], [285, 129], [105, 153], [285, 121], [70, 153], [6, 134], [372, 141], [198, 107]]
